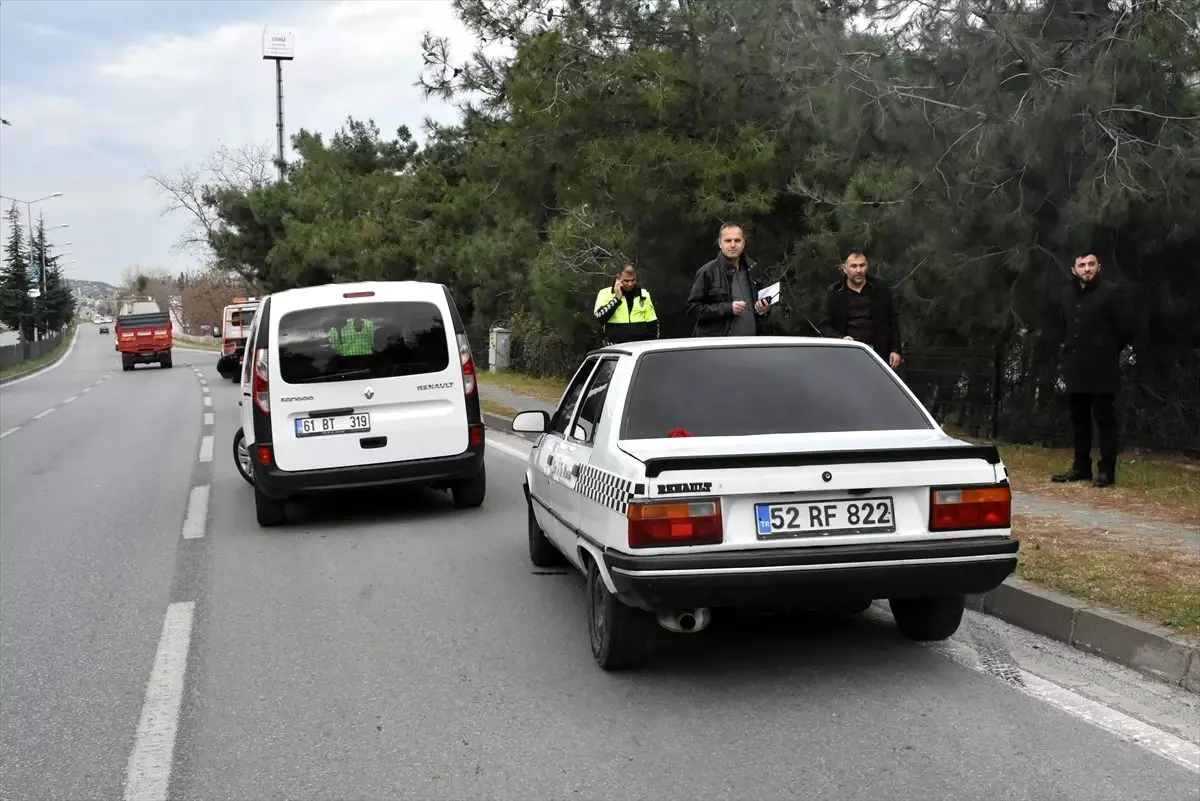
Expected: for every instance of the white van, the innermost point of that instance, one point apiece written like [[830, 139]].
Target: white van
[[367, 384]]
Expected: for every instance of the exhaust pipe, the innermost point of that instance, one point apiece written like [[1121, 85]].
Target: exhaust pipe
[[687, 621]]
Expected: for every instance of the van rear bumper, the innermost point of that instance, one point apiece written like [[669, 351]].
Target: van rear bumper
[[276, 483]]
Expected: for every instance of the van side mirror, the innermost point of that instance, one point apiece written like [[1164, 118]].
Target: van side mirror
[[535, 422], [216, 332]]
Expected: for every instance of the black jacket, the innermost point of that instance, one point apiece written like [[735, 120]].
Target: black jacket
[[1092, 324], [885, 319], [710, 301]]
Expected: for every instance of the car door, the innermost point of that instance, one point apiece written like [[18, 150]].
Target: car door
[[245, 409], [586, 509], [552, 460]]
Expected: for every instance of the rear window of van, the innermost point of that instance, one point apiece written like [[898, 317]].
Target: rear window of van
[[362, 342]]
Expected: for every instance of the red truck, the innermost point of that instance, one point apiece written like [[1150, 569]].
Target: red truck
[[144, 338]]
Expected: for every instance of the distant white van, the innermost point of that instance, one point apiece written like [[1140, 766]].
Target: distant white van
[[359, 385]]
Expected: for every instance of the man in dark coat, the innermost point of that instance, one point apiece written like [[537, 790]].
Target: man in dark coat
[[1092, 320], [724, 300], [862, 309]]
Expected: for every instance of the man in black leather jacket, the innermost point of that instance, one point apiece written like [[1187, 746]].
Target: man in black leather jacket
[[724, 300]]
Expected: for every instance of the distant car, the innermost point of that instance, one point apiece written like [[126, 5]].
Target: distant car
[[685, 475], [358, 385], [104, 329]]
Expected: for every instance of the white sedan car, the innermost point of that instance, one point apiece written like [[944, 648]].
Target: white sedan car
[[682, 475]]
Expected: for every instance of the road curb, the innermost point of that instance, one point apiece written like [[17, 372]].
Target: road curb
[[1154, 651]]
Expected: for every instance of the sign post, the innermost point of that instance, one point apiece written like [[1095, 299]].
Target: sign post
[[279, 47]]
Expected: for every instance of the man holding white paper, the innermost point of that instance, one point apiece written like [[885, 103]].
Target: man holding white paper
[[726, 299]]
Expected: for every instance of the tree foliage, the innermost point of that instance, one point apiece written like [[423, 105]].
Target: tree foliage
[[972, 147], [34, 295]]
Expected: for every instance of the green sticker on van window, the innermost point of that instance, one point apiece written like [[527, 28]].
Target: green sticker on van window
[[351, 342]]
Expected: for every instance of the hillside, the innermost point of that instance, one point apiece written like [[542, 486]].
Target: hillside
[[92, 290]]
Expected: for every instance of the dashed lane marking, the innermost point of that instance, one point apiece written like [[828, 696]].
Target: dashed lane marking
[[197, 513], [148, 774], [207, 400], [208, 418], [71, 399], [206, 448], [12, 430], [40, 415]]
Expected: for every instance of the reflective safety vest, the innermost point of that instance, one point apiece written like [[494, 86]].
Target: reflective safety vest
[[642, 311]]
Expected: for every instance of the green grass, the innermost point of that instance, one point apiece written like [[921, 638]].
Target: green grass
[[544, 389], [1139, 577], [33, 365], [498, 409], [200, 343]]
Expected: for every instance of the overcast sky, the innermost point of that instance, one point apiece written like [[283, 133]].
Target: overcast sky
[[101, 93]]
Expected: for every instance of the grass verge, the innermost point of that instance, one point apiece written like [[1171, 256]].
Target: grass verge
[[1149, 486], [498, 409], [33, 365], [544, 389], [200, 343], [1136, 576]]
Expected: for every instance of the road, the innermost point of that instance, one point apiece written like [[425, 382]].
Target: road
[[155, 642]]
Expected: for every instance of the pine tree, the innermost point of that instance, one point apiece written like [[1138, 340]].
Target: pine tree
[[16, 307]]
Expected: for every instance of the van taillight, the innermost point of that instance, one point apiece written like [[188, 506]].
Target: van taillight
[[260, 385], [468, 363], [657, 525], [970, 508]]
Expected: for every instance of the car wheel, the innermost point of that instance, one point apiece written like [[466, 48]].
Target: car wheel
[[541, 551], [469, 493], [270, 511], [241, 456], [167, 363], [926, 619], [619, 633]]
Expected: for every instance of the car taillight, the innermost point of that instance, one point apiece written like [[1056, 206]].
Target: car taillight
[[654, 525], [468, 363], [160, 332], [260, 385], [970, 508], [476, 435], [264, 455]]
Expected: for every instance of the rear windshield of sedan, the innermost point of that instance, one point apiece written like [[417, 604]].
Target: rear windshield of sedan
[[362, 341], [741, 391]]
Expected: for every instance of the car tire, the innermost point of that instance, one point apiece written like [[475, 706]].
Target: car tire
[[469, 493], [271, 512], [166, 363], [241, 456], [541, 551], [928, 619], [619, 634]]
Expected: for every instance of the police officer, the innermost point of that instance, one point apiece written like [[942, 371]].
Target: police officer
[[626, 309]]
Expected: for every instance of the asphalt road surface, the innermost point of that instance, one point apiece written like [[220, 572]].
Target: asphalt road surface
[[155, 643]]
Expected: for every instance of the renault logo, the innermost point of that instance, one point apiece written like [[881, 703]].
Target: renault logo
[[370, 393]]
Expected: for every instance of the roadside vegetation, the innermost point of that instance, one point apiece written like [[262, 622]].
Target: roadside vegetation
[[33, 365]]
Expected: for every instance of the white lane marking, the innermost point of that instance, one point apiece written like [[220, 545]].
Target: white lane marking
[[516, 453], [71, 399], [148, 773], [1127, 728], [12, 430], [85, 390], [47, 369], [206, 448], [204, 390], [207, 400], [40, 415], [208, 418], [197, 513]]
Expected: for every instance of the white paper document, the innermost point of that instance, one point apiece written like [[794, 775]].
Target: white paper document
[[770, 293]]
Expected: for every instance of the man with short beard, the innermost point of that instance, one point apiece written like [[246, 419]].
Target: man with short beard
[[724, 299], [862, 309], [1092, 322]]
